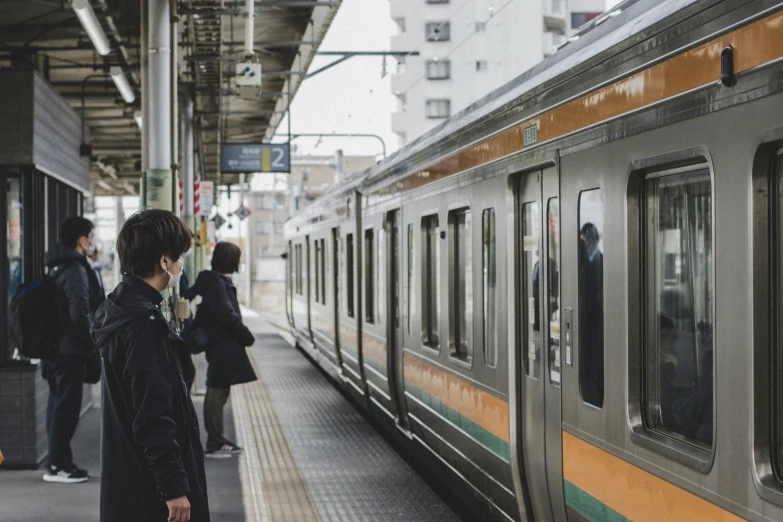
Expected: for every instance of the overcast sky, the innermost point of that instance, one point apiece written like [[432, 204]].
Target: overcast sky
[[351, 97]]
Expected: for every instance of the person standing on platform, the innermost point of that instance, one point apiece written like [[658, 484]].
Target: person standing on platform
[[152, 459], [220, 317], [66, 372], [92, 258]]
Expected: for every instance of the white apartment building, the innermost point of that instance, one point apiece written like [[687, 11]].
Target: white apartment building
[[469, 48]]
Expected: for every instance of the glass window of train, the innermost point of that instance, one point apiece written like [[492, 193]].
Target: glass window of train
[[553, 288], [678, 296], [531, 296], [409, 304], [777, 270], [460, 284], [430, 261], [323, 271], [489, 271], [369, 276], [591, 297], [380, 276], [317, 271], [349, 275]]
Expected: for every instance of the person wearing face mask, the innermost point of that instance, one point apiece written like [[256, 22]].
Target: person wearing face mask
[[152, 462], [221, 319], [76, 352]]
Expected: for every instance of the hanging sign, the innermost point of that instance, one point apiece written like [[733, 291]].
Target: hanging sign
[[262, 157], [242, 212], [203, 198]]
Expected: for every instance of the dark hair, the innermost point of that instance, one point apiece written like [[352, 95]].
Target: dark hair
[[147, 235], [590, 232], [74, 228], [225, 258]]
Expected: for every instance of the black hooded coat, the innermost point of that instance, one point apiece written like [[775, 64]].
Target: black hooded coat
[[151, 444], [219, 315]]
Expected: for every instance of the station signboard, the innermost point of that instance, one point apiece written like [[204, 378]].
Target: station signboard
[[247, 158]]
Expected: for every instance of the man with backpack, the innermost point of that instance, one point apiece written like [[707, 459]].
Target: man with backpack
[[80, 295]]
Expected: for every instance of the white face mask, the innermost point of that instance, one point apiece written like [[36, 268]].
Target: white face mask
[[173, 279]]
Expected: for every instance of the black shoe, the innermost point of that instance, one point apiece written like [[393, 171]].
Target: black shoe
[[225, 451], [62, 476]]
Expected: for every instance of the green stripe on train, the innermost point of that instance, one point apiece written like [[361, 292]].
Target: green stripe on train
[[590, 507], [484, 437]]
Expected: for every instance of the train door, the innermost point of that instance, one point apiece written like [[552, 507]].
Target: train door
[[394, 328], [536, 368], [335, 283]]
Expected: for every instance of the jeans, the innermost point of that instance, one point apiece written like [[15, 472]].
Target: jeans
[[65, 375], [213, 417]]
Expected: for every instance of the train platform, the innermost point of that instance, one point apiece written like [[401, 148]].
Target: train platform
[[309, 456]]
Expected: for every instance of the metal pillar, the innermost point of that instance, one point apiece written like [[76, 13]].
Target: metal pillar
[[188, 174], [158, 182]]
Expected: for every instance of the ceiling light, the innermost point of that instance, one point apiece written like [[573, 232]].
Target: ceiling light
[[118, 75], [91, 25], [137, 117]]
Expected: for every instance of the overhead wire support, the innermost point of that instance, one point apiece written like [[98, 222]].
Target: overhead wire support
[[345, 55]]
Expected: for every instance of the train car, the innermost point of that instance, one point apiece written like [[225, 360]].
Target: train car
[[567, 295]]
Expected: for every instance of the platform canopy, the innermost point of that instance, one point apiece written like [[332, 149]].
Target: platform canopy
[[47, 35]]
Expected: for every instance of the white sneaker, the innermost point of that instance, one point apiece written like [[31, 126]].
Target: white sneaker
[[66, 477]]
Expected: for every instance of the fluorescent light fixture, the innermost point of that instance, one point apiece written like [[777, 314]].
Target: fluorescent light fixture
[[137, 117], [105, 186], [118, 75], [91, 25]]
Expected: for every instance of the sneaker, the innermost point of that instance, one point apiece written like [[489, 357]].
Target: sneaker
[[225, 451], [62, 476], [232, 448]]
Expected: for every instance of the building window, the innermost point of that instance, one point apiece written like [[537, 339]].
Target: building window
[[481, 27], [489, 273], [265, 227], [401, 26], [580, 19], [438, 31], [438, 108], [430, 261], [369, 276], [460, 284], [349, 275], [678, 297], [438, 69], [553, 287], [591, 297], [482, 65]]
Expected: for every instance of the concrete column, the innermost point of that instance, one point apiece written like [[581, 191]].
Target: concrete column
[[159, 186]]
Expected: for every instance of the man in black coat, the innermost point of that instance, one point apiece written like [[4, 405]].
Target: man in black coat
[[152, 461], [66, 373]]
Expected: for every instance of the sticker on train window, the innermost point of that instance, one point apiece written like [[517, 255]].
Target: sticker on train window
[[531, 243]]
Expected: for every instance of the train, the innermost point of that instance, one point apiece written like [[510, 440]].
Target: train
[[567, 296]]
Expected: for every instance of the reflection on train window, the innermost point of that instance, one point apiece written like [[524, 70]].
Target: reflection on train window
[[369, 276], [409, 306], [553, 288], [291, 264], [460, 284], [298, 249], [430, 261], [531, 218], [489, 272], [777, 271], [591, 297], [380, 277], [349, 275], [678, 306]]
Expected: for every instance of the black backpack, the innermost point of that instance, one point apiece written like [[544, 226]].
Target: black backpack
[[37, 317]]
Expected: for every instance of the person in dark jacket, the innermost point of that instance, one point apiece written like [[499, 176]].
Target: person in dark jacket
[[591, 318], [66, 372], [219, 315], [152, 460]]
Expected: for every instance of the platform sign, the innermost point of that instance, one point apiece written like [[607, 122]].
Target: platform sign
[[219, 221], [203, 198], [242, 212], [262, 157]]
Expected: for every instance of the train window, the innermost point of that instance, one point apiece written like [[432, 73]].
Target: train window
[[591, 297], [430, 261], [380, 276], [317, 271], [298, 249], [777, 331], [409, 306], [460, 284], [489, 271], [369, 276], [553, 287], [349, 276], [530, 305], [322, 250], [678, 297]]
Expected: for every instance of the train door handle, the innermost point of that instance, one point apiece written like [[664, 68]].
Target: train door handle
[[568, 337]]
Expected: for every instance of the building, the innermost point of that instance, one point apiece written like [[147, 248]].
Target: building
[[274, 197], [469, 48]]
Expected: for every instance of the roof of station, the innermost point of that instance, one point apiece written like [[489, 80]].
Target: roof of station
[[48, 36]]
